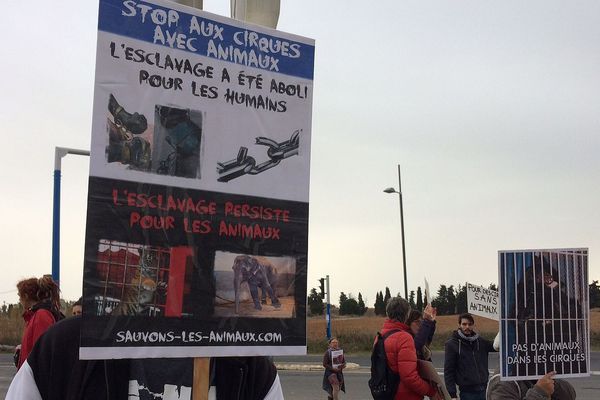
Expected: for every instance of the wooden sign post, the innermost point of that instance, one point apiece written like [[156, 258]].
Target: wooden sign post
[[201, 383]]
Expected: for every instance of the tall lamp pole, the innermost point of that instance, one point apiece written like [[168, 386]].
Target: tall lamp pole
[[392, 190]]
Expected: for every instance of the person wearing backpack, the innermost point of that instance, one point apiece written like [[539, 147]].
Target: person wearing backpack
[[401, 354], [545, 388]]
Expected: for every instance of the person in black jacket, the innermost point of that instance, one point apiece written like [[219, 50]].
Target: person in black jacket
[[466, 361], [53, 371]]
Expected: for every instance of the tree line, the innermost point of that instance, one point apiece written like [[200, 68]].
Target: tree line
[[449, 300], [348, 305]]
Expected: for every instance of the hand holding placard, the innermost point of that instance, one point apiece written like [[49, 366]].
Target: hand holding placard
[[429, 312], [546, 383]]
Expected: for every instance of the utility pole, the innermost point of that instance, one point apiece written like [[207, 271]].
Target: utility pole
[[328, 314]]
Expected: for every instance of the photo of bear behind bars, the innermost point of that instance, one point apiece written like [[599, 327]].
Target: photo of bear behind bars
[[546, 312], [254, 286]]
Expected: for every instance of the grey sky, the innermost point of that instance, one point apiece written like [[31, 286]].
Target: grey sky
[[491, 108]]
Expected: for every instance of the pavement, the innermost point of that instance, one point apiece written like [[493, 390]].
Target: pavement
[[299, 371], [309, 366], [283, 366], [309, 362]]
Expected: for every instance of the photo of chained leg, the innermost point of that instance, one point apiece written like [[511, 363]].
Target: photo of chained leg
[[128, 137]]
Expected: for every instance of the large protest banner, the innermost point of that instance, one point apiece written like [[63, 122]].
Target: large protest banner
[[483, 302], [544, 318], [197, 226]]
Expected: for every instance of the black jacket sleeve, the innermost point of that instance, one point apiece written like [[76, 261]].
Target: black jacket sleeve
[[425, 334], [450, 365], [60, 375], [248, 378]]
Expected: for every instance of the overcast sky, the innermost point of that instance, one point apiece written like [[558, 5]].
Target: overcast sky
[[491, 108]]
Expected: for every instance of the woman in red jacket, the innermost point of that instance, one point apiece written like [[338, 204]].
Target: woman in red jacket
[[401, 354], [41, 301]]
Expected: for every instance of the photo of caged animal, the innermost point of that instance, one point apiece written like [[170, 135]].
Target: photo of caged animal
[[254, 286], [142, 293], [257, 272]]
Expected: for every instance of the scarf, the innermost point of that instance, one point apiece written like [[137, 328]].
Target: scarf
[[471, 338]]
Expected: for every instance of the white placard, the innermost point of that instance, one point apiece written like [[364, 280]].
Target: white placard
[[482, 301]]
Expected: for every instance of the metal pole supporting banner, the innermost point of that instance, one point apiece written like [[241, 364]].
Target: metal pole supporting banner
[[56, 229], [260, 12], [59, 153]]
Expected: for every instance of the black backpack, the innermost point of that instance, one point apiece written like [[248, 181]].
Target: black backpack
[[383, 382]]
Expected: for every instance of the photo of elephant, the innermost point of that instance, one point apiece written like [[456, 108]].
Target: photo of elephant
[[257, 272], [254, 286]]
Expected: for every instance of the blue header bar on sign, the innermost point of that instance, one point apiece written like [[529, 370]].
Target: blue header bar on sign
[[206, 37]]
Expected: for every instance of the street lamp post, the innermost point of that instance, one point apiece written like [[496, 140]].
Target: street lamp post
[[392, 190]]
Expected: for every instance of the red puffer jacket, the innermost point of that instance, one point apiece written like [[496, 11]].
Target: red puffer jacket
[[402, 358], [37, 320]]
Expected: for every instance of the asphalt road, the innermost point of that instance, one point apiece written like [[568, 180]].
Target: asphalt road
[[7, 371], [302, 385]]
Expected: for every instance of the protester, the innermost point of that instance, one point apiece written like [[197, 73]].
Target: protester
[[545, 388], [401, 353], [77, 307], [466, 361], [41, 300], [333, 378], [53, 371], [422, 326]]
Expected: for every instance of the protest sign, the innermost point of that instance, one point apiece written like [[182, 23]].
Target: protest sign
[[197, 226], [337, 358], [482, 301], [544, 317]]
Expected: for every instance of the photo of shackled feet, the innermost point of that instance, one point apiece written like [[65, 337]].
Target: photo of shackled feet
[[285, 309]]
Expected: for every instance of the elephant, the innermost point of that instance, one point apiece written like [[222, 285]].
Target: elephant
[[257, 272]]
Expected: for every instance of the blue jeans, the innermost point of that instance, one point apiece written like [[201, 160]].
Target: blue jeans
[[472, 395]]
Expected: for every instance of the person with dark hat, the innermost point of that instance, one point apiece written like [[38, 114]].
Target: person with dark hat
[[545, 388]]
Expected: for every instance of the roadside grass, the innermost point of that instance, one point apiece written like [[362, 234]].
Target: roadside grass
[[11, 331]]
